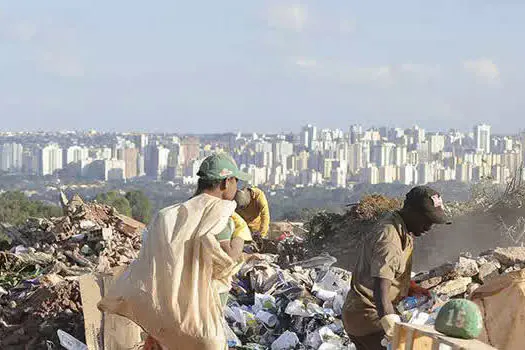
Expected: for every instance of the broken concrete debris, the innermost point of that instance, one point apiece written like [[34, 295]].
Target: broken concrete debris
[[39, 291], [510, 256]]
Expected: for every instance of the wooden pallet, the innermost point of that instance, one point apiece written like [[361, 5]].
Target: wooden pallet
[[413, 337]]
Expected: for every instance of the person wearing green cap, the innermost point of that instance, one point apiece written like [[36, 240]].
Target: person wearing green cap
[[218, 177], [381, 276]]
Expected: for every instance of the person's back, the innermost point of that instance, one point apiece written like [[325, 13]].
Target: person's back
[[188, 257]]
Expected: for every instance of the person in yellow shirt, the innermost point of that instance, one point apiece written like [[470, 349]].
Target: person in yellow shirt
[[252, 206]]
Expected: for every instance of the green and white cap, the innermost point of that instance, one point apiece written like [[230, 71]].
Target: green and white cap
[[220, 166]]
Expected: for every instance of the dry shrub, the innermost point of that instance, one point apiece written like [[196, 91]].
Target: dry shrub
[[372, 207]]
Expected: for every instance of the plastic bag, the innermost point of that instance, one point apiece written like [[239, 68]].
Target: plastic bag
[[287, 340]]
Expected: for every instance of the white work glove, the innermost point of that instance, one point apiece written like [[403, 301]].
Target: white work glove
[[388, 322]]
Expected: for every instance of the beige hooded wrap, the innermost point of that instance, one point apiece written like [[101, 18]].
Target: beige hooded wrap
[[171, 290]]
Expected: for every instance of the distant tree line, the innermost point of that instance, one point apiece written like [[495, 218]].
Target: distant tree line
[[134, 204], [16, 208]]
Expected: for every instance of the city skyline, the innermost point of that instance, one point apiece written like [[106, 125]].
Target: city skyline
[[311, 157], [259, 66], [296, 129]]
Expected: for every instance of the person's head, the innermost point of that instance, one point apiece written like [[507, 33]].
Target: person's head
[[423, 207], [218, 176], [243, 198]]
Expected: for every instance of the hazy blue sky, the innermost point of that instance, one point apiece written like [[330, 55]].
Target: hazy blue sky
[[270, 66]]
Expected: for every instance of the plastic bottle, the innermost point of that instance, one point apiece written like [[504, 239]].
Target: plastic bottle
[[410, 303]]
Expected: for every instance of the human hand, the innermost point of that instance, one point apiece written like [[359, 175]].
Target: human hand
[[388, 322]]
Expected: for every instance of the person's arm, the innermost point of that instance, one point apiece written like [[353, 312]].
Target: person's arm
[[233, 247], [265, 214], [382, 301]]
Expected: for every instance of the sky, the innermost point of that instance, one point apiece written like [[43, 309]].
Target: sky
[[260, 66]]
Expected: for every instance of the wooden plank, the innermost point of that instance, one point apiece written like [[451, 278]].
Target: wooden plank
[[91, 294], [119, 332], [427, 333], [421, 341], [106, 331], [409, 338]]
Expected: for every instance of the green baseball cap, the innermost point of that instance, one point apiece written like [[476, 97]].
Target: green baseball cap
[[220, 166]]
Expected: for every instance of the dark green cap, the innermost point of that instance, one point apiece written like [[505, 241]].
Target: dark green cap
[[220, 166], [428, 202]]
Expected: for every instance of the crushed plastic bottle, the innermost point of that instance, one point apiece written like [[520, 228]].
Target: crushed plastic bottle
[[410, 303]]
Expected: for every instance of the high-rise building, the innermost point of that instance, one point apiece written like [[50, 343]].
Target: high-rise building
[[281, 151], [189, 150], [370, 175], [50, 159], [383, 154], [419, 134], [400, 155], [11, 155], [355, 157], [156, 161], [327, 168], [426, 173], [356, 131], [482, 137], [75, 154], [30, 162], [141, 141], [387, 174], [408, 175], [309, 136], [130, 157], [464, 172], [338, 177], [436, 143]]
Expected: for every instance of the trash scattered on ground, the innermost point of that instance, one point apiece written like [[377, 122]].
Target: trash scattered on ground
[[292, 308], [39, 291]]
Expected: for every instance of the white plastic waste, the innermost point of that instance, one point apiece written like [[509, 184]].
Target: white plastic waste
[[69, 342], [263, 302], [419, 318], [243, 318], [288, 340], [337, 304], [231, 338], [297, 308], [325, 294], [267, 318], [331, 346]]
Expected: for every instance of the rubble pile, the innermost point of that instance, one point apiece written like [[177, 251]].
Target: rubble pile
[[39, 291], [460, 279], [295, 308]]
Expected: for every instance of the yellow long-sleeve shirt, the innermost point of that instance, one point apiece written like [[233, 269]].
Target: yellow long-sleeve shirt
[[257, 213]]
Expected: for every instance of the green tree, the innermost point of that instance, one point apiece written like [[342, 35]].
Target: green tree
[[140, 206], [115, 200], [16, 208]]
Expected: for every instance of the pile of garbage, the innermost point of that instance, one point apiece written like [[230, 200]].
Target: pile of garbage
[[295, 308], [458, 279], [300, 307], [39, 270]]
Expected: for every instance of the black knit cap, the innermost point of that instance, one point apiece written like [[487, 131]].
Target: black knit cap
[[428, 202]]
